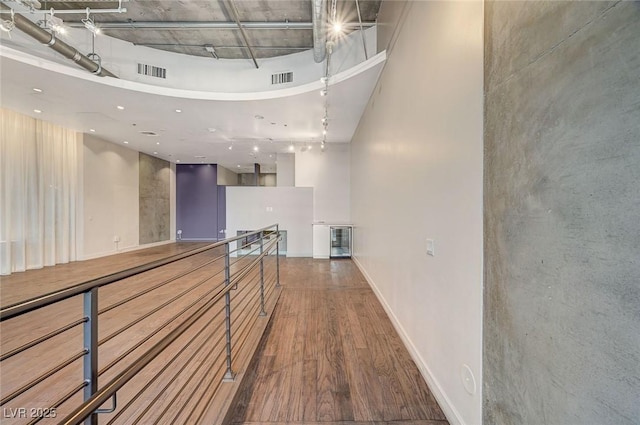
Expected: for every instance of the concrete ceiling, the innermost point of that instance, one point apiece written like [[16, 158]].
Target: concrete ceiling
[[206, 126], [227, 42]]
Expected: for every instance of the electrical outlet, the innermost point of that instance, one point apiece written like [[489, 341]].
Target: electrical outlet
[[431, 247]]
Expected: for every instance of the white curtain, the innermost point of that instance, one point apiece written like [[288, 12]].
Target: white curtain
[[38, 182]]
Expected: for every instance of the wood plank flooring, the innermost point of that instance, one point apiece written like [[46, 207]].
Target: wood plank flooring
[[21, 286], [331, 355], [178, 385]]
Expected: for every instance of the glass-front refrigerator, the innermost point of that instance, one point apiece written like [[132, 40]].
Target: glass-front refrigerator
[[340, 242]]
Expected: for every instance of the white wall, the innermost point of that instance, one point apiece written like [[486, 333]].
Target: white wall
[[251, 208], [111, 197], [329, 173], [285, 170], [416, 175]]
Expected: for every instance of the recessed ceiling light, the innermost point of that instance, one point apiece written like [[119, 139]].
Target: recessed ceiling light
[[255, 149], [177, 160], [120, 107], [178, 110], [155, 153], [37, 111], [37, 90], [258, 117], [238, 165], [337, 27], [230, 147], [92, 130], [291, 148], [157, 143], [125, 142], [270, 156]]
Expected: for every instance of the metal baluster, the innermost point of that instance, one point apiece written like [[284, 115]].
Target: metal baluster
[[262, 311], [90, 362], [277, 256], [229, 376]]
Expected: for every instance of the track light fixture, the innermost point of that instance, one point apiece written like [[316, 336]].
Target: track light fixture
[[211, 50], [8, 26], [90, 25], [56, 24]]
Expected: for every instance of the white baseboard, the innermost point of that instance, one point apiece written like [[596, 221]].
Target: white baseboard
[[127, 249], [449, 410]]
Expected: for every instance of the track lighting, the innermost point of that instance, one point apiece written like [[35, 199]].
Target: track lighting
[[90, 25], [56, 24], [8, 26], [211, 50]]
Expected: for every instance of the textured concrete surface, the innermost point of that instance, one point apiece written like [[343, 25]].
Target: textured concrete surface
[[562, 213], [154, 199]]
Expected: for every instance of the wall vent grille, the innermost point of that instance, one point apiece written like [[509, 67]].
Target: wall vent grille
[[152, 71], [282, 78]]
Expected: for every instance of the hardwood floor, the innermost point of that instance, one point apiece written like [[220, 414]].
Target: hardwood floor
[[25, 285], [331, 355], [177, 386]]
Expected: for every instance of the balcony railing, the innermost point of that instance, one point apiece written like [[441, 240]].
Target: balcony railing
[[164, 336]]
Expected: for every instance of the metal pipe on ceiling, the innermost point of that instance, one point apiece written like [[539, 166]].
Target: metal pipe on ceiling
[[49, 39], [319, 15], [223, 47], [234, 11], [177, 25], [364, 45]]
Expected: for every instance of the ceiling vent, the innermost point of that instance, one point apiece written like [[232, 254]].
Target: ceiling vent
[[148, 133], [282, 78], [152, 71]]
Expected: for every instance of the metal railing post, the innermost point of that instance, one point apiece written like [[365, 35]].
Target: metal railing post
[[262, 311], [90, 359], [229, 375], [277, 256]]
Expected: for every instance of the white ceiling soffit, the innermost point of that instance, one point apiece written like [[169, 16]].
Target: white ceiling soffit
[[208, 123]]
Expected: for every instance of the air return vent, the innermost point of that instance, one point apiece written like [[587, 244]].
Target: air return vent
[[282, 78], [152, 71]]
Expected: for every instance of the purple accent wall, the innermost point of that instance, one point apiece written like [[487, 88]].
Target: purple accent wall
[[197, 201], [222, 211]]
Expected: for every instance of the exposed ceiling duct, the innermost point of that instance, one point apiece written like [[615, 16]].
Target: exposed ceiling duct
[[48, 39], [319, 19]]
